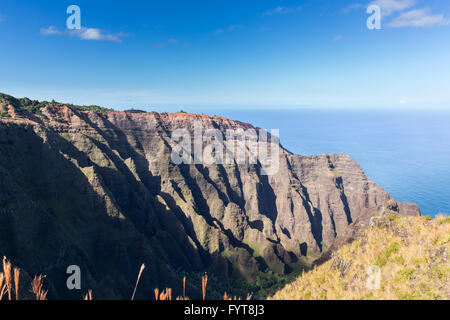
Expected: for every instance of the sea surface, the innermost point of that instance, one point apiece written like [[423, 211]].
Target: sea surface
[[405, 152]]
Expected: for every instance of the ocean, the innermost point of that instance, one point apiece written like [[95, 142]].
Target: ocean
[[405, 152]]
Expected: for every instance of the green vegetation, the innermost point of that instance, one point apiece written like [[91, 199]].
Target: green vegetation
[[445, 220], [135, 111], [266, 284], [383, 257], [25, 105], [392, 217], [88, 108], [336, 173], [410, 252]]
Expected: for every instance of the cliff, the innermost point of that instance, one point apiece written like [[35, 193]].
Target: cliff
[[97, 188]]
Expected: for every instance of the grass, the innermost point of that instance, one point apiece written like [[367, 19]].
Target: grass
[[336, 173], [411, 254], [383, 257], [37, 286], [7, 278], [204, 284], [137, 281], [11, 276], [88, 296], [444, 220]]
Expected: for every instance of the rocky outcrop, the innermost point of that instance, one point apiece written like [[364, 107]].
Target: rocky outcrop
[[99, 189]]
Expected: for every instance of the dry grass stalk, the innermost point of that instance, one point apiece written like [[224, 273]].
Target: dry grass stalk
[[37, 288], [2, 286], [204, 284], [88, 296], [166, 294], [16, 281], [227, 297], [8, 276], [137, 281], [41, 294]]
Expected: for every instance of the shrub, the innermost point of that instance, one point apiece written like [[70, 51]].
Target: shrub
[[383, 257]]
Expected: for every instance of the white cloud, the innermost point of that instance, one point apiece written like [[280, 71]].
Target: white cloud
[[418, 18], [389, 7], [351, 7], [50, 31], [277, 10], [230, 29], [403, 14], [91, 34], [171, 41], [218, 31], [337, 38], [95, 35], [235, 27], [280, 10]]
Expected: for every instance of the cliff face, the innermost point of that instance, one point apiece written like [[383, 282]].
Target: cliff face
[[99, 190]]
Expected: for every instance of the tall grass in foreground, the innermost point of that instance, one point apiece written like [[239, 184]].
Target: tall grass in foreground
[[16, 281], [88, 296], [204, 284], [37, 286], [11, 276], [7, 277], [137, 281]]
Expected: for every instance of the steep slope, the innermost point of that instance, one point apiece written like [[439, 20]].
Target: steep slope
[[396, 258], [98, 188]]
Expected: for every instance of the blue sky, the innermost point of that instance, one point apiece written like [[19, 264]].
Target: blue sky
[[238, 54]]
